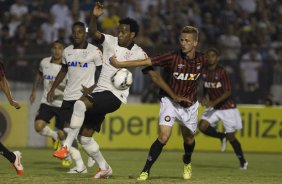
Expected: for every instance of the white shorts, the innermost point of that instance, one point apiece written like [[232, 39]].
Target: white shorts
[[169, 111], [230, 118]]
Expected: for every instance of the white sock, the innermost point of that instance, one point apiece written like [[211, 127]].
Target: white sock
[[76, 156], [92, 149], [47, 131], [77, 119]]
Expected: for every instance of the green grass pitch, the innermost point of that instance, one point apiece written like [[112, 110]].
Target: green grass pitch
[[208, 167]]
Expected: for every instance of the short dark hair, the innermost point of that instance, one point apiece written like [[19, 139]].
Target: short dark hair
[[134, 27], [191, 30], [213, 50], [59, 42], [81, 24]]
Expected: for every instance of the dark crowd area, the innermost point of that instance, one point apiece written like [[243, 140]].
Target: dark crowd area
[[248, 34]]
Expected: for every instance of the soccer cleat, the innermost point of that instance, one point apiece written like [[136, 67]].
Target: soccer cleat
[[61, 153], [223, 144], [90, 162], [244, 166], [143, 176], [102, 174], [56, 144], [76, 170], [187, 171], [17, 164]]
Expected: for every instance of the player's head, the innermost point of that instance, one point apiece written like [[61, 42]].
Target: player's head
[[57, 49], [78, 33], [213, 56], [127, 30], [188, 39]]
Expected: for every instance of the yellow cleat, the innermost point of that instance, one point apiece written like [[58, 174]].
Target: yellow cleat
[[66, 163], [56, 144], [187, 171], [143, 176]]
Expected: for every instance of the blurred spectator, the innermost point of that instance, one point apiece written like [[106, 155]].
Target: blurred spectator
[[111, 20], [49, 30], [250, 66]]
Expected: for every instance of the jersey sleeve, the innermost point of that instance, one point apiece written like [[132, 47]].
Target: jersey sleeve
[[109, 41], [164, 60], [41, 66]]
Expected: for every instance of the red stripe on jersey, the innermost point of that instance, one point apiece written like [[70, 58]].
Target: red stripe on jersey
[[217, 82], [183, 73]]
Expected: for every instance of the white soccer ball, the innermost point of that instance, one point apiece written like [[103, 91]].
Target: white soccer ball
[[122, 79]]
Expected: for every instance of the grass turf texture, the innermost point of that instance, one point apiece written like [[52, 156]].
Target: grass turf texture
[[220, 168]]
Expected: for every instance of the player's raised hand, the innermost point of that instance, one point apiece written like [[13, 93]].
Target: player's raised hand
[[15, 104], [98, 9]]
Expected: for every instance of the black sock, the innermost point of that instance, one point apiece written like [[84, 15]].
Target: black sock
[[153, 155], [211, 131], [7, 154], [238, 151], [188, 152]]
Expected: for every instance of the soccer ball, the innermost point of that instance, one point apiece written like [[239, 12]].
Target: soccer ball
[[122, 79]]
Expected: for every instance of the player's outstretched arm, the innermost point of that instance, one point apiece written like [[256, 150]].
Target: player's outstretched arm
[[59, 78], [38, 79], [159, 81], [6, 89], [130, 64], [98, 10]]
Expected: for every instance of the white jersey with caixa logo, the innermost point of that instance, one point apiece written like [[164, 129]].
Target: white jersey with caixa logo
[[49, 71], [81, 69], [110, 48]]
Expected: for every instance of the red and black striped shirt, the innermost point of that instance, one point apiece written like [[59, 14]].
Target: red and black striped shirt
[[181, 73], [217, 82]]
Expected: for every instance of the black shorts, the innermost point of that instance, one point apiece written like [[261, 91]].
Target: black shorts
[[66, 113], [103, 103], [47, 112]]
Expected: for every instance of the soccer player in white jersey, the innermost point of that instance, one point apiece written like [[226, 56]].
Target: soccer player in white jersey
[[48, 69], [105, 98], [80, 63]]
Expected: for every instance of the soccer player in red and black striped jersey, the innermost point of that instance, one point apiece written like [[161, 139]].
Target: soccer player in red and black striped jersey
[[220, 106], [13, 157], [182, 70]]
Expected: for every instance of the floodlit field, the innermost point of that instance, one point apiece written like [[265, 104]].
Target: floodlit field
[[214, 168]]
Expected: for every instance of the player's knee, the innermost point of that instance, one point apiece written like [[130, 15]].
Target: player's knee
[[163, 138], [79, 108], [89, 144], [203, 125], [38, 126], [231, 136]]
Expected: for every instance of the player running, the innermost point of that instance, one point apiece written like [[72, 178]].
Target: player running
[[220, 106]]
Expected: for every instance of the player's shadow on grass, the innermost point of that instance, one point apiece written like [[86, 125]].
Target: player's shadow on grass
[[212, 166]]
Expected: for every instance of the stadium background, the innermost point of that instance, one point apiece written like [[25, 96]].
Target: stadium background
[[247, 33]]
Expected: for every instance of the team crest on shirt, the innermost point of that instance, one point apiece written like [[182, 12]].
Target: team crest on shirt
[[84, 54], [198, 66], [167, 118], [127, 55], [216, 76]]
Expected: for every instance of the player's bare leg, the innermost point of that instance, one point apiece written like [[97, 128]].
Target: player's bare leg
[[207, 129], [237, 150], [155, 150]]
